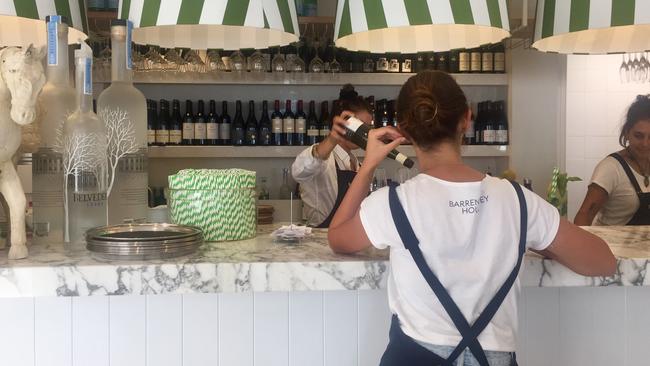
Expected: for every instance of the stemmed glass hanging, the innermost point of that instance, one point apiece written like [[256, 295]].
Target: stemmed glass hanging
[[635, 70]]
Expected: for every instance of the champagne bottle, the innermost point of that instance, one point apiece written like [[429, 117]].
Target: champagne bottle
[[224, 126], [188, 124], [265, 129], [357, 132], [200, 128], [238, 134], [211, 125], [251, 125]]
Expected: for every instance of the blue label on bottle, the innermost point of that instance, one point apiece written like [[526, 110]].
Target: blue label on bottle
[[129, 31], [88, 76], [53, 40]]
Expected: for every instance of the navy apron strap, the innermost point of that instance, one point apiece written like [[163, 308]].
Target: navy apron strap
[[469, 334], [628, 171]]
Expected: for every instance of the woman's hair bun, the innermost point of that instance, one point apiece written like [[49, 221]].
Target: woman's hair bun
[[348, 93]]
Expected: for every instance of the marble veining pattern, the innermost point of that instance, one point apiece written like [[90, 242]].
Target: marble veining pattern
[[261, 265]]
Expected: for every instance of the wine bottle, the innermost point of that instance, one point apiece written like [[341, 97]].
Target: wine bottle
[[188, 124], [176, 127], [277, 123], [251, 126], [489, 133], [475, 60], [478, 124], [313, 128], [463, 61], [288, 125], [265, 130], [384, 121], [453, 61], [224, 126], [238, 132], [151, 123], [357, 132], [502, 124], [211, 125], [301, 126], [499, 58], [487, 60], [324, 121], [200, 130], [162, 131]]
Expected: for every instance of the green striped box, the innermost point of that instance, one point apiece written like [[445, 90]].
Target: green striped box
[[221, 202]]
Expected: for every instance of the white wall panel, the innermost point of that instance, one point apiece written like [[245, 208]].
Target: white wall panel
[[541, 326], [609, 325], [576, 326], [374, 324], [341, 328], [236, 329], [128, 334], [306, 328], [637, 326], [165, 330], [90, 331], [53, 331], [271, 333], [17, 335], [200, 329]]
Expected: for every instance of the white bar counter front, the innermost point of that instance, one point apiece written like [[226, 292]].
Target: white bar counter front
[[257, 302]]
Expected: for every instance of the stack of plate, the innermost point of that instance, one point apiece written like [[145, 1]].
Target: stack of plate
[[143, 241]]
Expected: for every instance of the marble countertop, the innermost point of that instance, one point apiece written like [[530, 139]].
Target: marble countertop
[[260, 264]]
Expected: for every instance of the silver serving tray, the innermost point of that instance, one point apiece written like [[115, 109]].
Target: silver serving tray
[[142, 232], [150, 243], [146, 256]]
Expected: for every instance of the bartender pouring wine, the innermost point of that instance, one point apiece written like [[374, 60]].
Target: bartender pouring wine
[[325, 170]]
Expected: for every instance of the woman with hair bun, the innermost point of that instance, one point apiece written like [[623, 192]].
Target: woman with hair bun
[[326, 169], [456, 237], [619, 193]]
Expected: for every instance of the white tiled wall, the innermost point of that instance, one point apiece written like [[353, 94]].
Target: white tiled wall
[[596, 103]]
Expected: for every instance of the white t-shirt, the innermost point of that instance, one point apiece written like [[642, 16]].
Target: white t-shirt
[[469, 236], [622, 201]]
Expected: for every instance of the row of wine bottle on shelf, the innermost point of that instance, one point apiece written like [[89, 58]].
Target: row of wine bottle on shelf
[[168, 126]]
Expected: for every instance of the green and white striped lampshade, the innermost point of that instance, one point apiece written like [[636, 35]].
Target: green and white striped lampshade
[[22, 21], [592, 27], [409, 26], [202, 24]]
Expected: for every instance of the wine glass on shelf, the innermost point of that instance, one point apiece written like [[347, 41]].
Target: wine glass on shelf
[[635, 68], [645, 68]]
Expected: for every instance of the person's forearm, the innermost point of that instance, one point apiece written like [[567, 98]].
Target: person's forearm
[[325, 148], [356, 193], [585, 216]]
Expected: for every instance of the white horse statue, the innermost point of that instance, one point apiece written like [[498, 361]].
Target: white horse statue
[[21, 79]]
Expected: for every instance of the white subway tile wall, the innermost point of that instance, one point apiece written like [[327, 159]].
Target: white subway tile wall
[[596, 103]]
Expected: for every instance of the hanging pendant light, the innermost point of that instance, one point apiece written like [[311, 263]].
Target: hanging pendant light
[[219, 24], [410, 26], [22, 21], [592, 27]]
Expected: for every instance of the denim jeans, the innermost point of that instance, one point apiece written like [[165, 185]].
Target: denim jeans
[[466, 358]]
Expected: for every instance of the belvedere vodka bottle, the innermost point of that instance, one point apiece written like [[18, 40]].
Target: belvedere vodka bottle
[[84, 158], [59, 101], [127, 200]]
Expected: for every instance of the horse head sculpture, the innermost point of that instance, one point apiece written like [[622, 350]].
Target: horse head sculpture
[[24, 77]]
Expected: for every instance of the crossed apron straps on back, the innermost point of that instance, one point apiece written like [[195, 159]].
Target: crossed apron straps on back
[[642, 215], [468, 332]]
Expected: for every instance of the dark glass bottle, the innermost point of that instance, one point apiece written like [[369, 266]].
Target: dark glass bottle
[[176, 127], [384, 119], [251, 125], [430, 61], [453, 61], [224, 126], [200, 128], [442, 61], [277, 125], [501, 124], [324, 121], [407, 63], [288, 125], [151, 123], [265, 136], [188, 124], [487, 60], [464, 59], [301, 125], [420, 62], [478, 124], [212, 125], [238, 131], [392, 114], [475, 62], [499, 58], [313, 127], [489, 132], [162, 129]]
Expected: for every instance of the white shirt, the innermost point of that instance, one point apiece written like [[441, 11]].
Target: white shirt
[[318, 182], [469, 236], [622, 201]]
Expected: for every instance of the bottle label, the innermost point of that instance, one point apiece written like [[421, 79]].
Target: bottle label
[[489, 136], [463, 62], [488, 59], [53, 40], [277, 125], [476, 61], [301, 125], [224, 131], [88, 76], [499, 61], [406, 65], [129, 31], [502, 136], [200, 131], [162, 137], [313, 132], [393, 65], [175, 137], [212, 131], [382, 64], [151, 137], [289, 125], [325, 131], [188, 131]]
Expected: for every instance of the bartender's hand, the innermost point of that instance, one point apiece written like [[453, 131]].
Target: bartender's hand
[[380, 142], [337, 134]]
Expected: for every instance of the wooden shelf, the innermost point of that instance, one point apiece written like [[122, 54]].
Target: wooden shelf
[[248, 78], [266, 152]]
